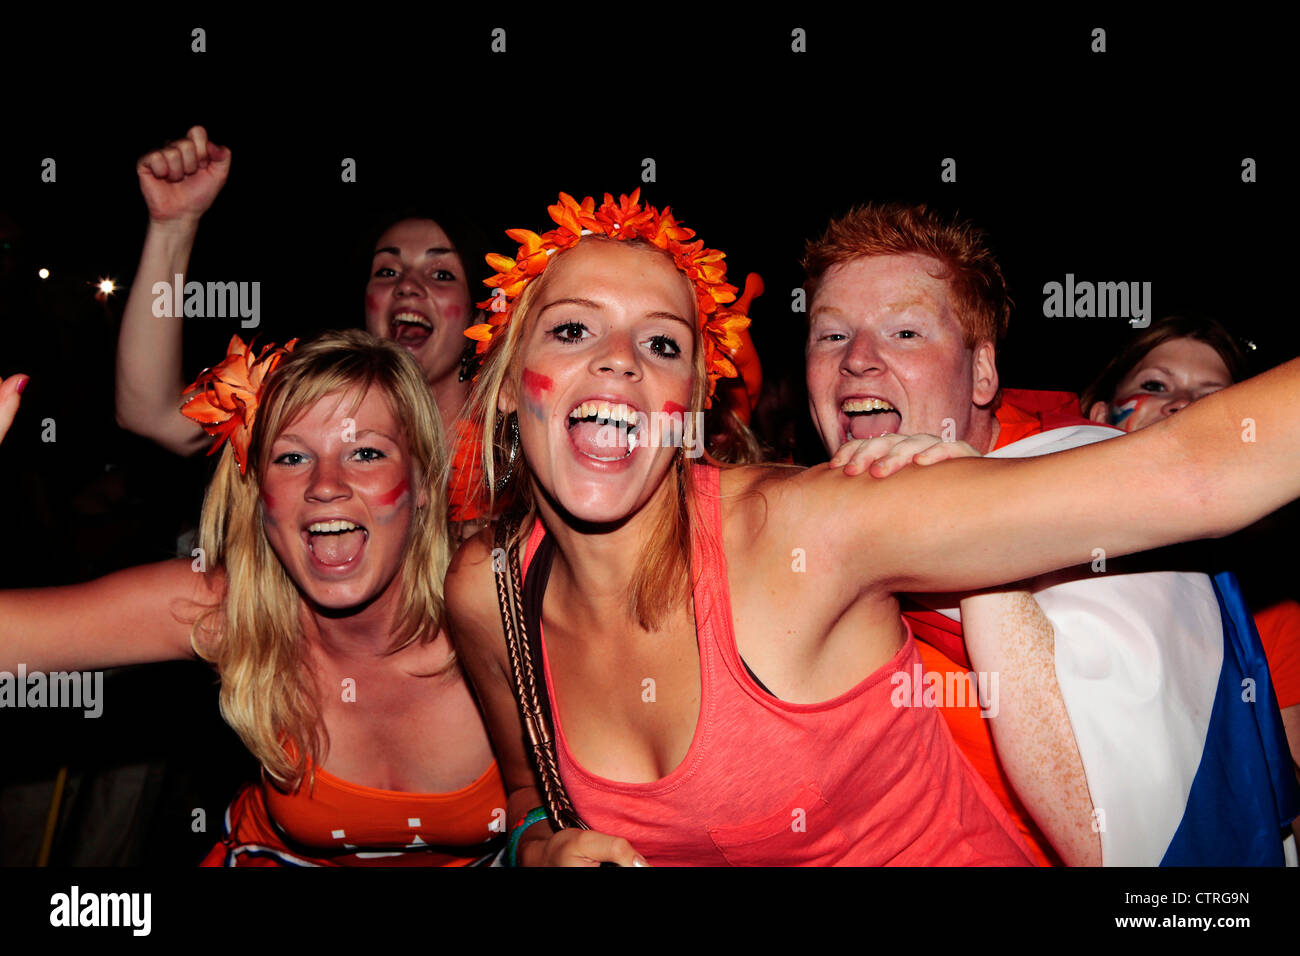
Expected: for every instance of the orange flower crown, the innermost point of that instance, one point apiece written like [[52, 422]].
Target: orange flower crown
[[721, 326], [231, 391]]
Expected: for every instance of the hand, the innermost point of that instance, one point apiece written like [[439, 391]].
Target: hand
[[10, 389], [886, 454], [574, 847], [181, 180]]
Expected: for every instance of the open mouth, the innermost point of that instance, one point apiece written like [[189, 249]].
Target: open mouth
[[869, 417], [336, 543], [410, 329], [604, 431]]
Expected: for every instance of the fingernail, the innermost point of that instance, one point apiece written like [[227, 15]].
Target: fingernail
[[22, 384], [639, 860]]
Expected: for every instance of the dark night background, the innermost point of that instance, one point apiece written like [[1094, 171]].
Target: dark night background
[[1122, 166]]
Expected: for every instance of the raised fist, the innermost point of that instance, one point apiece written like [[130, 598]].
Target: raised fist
[[180, 181]]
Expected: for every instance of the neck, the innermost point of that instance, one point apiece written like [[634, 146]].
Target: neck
[[450, 394], [594, 565], [364, 632], [984, 431]]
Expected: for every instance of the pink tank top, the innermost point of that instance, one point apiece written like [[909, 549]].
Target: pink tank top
[[852, 781]]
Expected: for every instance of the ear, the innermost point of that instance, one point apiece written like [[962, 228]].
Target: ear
[[1100, 412], [985, 378], [508, 396]]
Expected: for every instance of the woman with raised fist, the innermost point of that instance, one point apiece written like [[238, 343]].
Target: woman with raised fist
[[418, 295]]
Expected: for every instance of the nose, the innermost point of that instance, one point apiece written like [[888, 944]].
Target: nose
[[409, 286], [861, 357], [328, 482], [617, 355], [1177, 402]]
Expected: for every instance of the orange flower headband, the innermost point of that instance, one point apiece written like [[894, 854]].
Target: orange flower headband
[[227, 405], [627, 219]]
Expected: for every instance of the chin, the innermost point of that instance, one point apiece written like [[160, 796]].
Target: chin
[[341, 598]]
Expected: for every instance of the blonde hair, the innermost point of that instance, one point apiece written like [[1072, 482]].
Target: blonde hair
[[267, 693], [662, 578]]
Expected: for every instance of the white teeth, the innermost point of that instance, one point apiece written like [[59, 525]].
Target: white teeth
[[866, 405], [412, 318], [332, 527], [606, 412]]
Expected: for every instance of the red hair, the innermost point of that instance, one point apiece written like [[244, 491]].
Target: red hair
[[895, 229]]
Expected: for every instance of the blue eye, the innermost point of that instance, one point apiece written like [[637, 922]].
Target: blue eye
[[1158, 385], [284, 459], [368, 454], [910, 333]]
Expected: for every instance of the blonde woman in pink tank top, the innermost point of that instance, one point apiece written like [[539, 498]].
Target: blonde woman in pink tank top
[[722, 647]]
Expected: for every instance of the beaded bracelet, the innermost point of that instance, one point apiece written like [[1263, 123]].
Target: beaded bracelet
[[535, 815]]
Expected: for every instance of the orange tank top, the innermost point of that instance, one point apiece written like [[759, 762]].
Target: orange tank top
[[336, 823]]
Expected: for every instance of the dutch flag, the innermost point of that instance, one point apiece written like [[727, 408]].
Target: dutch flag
[[1169, 696]]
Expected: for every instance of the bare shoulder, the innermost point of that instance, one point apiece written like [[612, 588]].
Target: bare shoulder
[[753, 496], [471, 596]]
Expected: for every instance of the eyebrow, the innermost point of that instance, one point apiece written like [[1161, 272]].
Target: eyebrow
[[293, 437], [435, 251], [590, 304], [897, 306], [1205, 382]]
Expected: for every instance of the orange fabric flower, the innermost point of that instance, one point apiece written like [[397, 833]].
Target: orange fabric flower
[[227, 405], [626, 219]]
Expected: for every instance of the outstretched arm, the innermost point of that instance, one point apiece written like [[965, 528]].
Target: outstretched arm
[[179, 183], [1216, 466], [134, 616]]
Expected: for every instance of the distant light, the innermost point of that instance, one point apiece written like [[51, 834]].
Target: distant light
[[103, 289], [43, 273]]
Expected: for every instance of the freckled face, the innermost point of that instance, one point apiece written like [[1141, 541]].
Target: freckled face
[[614, 325], [1171, 376], [883, 328], [418, 296], [338, 512]]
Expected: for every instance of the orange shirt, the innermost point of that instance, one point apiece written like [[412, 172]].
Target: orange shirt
[[466, 494], [337, 823], [1279, 632]]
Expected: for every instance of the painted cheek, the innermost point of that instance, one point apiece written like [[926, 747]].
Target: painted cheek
[[390, 498], [268, 508], [375, 302], [536, 389], [1123, 415], [454, 313], [673, 408]]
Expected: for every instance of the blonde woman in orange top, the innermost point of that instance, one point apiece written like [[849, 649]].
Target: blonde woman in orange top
[[317, 595]]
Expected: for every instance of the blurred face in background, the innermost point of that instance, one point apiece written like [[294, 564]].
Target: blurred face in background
[[418, 296], [1168, 378]]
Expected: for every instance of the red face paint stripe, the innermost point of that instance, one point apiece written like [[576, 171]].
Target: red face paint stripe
[[391, 497], [536, 384]]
